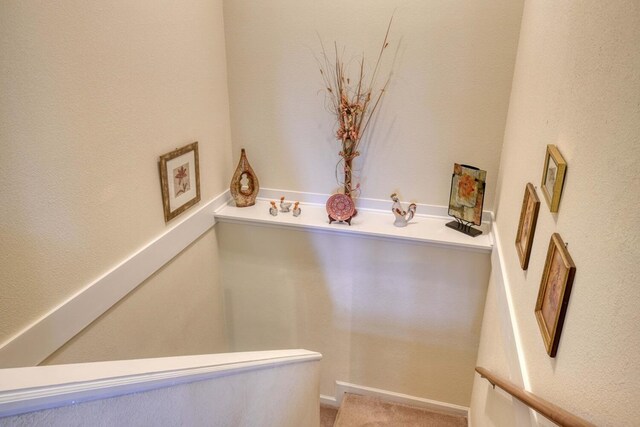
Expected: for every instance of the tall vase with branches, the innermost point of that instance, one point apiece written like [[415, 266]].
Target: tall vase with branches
[[353, 103]]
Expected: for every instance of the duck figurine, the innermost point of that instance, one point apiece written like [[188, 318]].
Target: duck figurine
[[296, 209], [284, 207], [402, 217], [273, 210]]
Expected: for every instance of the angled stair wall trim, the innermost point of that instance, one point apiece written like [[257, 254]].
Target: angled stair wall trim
[[258, 373], [53, 329], [390, 396], [509, 333], [39, 340], [509, 328]]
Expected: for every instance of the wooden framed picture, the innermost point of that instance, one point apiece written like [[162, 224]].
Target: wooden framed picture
[[553, 296], [527, 225], [179, 180], [553, 177]]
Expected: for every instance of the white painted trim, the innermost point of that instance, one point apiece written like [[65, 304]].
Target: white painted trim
[[42, 387], [511, 335], [329, 401], [390, 396], [369, 223], [44, 336], [517, 364]]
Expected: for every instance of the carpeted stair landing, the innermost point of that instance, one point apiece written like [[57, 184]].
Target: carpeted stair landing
[[363, 411]]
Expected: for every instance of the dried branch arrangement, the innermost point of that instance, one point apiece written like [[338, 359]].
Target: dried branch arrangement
[[352, 102]]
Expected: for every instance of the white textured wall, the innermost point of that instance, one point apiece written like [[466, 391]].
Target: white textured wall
[[577, 85], [281, 396], [447, 101], [498, 351], [166, 315], [92, 93], [391, 315]]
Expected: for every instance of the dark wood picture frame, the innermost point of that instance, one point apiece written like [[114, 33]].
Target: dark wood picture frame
[[527, 224], [555, 168], [553, 296], [179, 180]]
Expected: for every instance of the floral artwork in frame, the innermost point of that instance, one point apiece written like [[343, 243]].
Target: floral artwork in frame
[[527, 225], [555, 168], [179, 180], [553, 296], [467, 193]]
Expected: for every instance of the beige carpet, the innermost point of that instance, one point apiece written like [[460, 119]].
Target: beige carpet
[[361, 411], [327, 415]]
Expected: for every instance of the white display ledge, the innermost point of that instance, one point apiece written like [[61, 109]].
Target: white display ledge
[[426, 229]]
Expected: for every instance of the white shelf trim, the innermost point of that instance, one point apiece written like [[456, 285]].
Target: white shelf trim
[[362, 203], [369, 223]]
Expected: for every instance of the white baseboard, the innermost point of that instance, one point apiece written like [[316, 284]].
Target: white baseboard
[[390, 396], [39, 340], [329, 401]]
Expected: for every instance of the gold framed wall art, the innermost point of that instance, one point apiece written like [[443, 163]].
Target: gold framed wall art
[[527, 225], [179, 180], [553, 296], [553, 177]]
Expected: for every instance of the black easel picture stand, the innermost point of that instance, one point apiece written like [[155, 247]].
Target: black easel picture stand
[[464, 227]]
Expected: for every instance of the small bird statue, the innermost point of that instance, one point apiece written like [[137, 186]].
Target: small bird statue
[[273, 210], [296, 209], [284, 207], [402, 217]]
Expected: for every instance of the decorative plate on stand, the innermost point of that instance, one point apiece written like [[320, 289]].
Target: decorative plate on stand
[[340, 207]]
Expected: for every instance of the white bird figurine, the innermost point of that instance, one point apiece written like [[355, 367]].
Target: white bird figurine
[[273, 210], [296, 209], [402, 217], [284, 207]]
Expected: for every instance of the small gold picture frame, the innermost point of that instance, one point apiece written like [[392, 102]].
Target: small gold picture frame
[[553, 296], [553, 177], [527, 224], [179, 180]]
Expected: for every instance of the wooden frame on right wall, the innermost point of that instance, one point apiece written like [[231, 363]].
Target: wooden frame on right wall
[[527, 225], [553, 296]]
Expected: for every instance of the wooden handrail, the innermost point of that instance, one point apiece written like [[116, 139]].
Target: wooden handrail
[[548, 409]]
